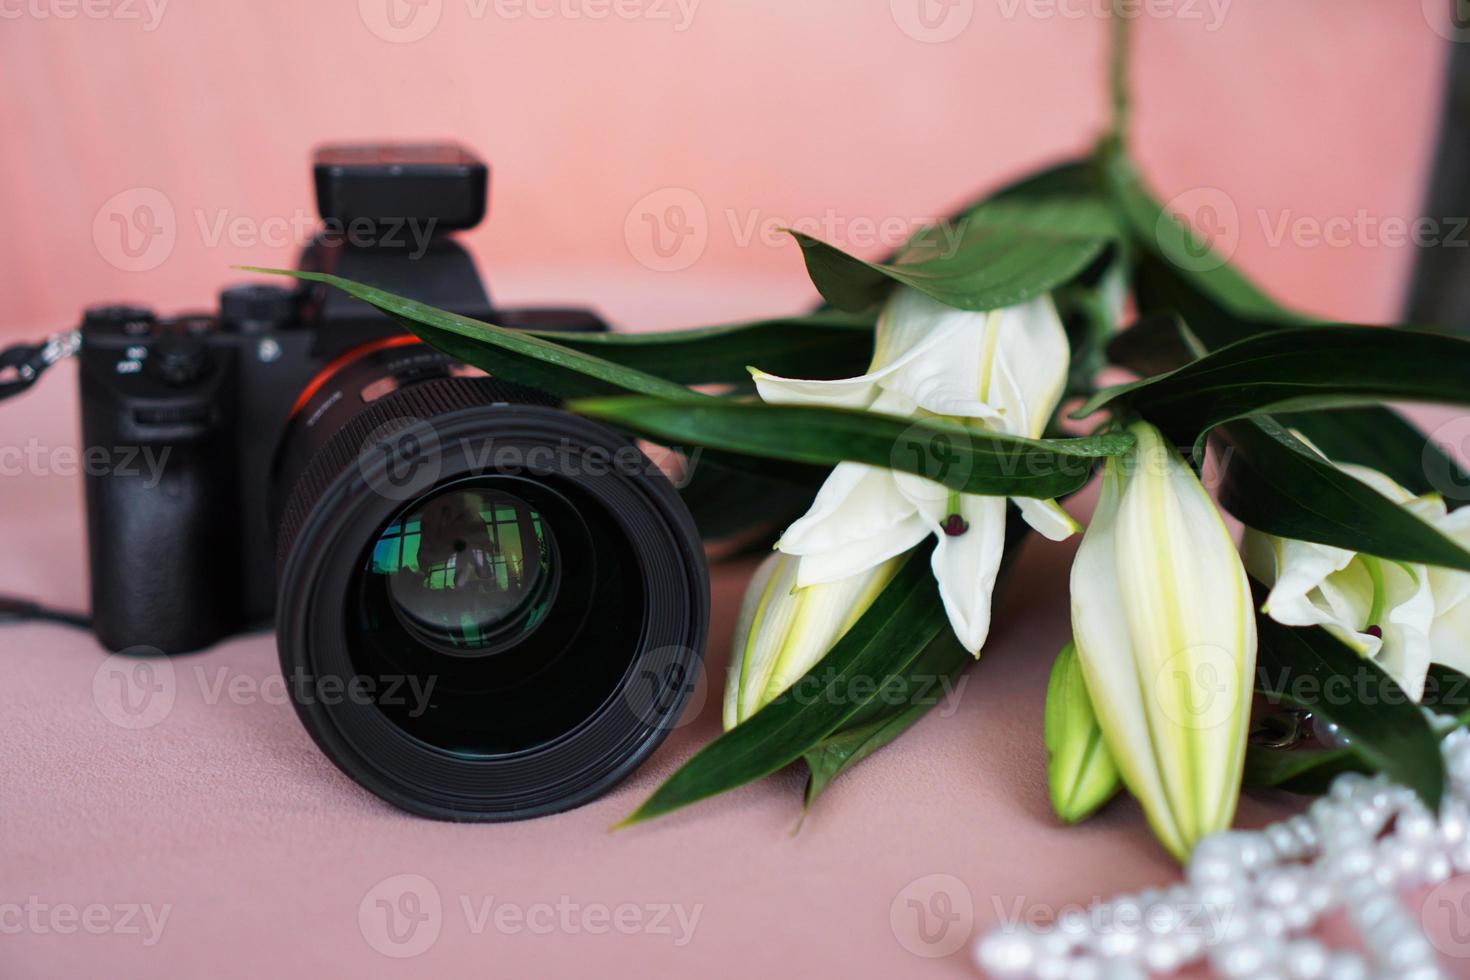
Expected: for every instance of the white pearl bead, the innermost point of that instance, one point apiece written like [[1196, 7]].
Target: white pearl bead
[[1118, 943], [1306, 959], [1121, 970], [1084, 970], [1281, 887], [1005, 954], [1050, 968], [1345, 966], [1374, 910], [1161, 955]]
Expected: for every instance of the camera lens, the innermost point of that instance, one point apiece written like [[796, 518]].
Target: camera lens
[[466, 572], [489, 609]]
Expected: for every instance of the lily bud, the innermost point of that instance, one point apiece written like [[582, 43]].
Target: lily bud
[[1079, 771], [785, 628], [1166, 635]]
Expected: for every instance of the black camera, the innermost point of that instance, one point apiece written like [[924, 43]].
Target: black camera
[[486, 608]]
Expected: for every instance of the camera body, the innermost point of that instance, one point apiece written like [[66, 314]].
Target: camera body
[[183, 417]]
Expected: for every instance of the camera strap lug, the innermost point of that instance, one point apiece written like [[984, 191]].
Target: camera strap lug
[[22, 364]]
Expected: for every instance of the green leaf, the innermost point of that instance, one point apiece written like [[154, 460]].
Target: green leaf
[[728, 494], [1312, 771], [966, 459], [1275, 483], [1384, 440], [1001, 253], [1162, 236], [1310, 669], [897, 628], [825, 344], [1377, 436], [1286, 370], [514, 355], [1297, 770], [901, 699]]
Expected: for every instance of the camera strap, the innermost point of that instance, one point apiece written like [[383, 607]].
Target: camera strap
[[22, 364]]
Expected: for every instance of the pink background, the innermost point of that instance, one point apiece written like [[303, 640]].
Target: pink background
[[759, 113], [768, 113]]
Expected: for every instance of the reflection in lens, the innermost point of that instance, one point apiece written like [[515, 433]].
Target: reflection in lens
[[514, 604], [468, 572]]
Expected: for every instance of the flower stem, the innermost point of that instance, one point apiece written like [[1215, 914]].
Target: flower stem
[[1119, 31]]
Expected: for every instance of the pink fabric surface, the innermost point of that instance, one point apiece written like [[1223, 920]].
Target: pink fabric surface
[[266, 860]]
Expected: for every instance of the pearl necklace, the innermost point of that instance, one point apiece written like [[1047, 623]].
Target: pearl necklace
[[1249, 897]]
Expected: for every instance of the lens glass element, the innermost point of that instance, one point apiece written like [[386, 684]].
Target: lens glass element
[[503, 611], [468, 572]]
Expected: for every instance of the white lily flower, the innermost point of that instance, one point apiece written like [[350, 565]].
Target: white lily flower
[[1401, 615], [1166, 635], [1003, 370], [784, 629]]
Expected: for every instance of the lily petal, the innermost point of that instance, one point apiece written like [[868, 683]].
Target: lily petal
[[1028, 371], [1047, 518], [1295, 570], [966, 566], [948, 376], [859, 518], [1406, 650], [910, 327], [844, 393]]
